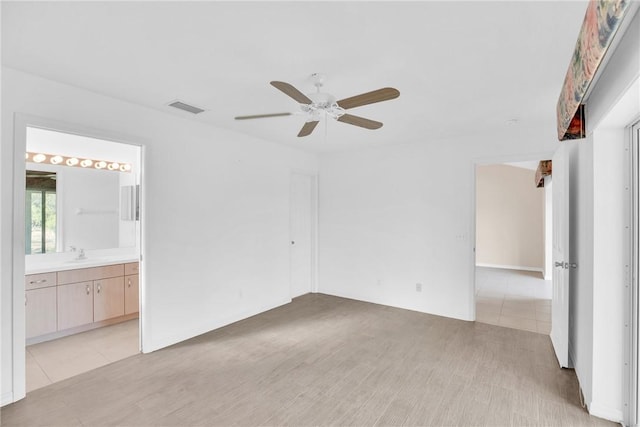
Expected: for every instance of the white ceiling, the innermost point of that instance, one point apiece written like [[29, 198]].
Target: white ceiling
[[462, 68]]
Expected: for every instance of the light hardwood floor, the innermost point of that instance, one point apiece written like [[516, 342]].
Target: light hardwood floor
[[323, 360]]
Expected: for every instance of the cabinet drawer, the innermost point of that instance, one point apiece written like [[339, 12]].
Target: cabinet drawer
[[131, 268], [37, 281], [93, 273]]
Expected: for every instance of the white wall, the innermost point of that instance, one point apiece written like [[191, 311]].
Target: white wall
[[395, 216], [216, 206], [509, 218], [548, 228], [599, 286]]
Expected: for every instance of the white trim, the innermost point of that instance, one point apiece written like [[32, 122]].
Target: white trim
[[18, 354], [602, 411], [6, 398], [511, 267], [631, 395]]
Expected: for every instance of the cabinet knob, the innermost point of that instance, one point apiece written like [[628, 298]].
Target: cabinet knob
[[99, 288], [129, 282], [26, 299], [88, 290]]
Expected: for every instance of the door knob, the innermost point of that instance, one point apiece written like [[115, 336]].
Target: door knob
[[559, 264], [293, 242]]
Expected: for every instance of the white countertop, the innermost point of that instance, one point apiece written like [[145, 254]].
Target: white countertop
[[46, 266]]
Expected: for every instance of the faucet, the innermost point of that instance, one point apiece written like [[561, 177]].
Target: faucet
[[81, 255]]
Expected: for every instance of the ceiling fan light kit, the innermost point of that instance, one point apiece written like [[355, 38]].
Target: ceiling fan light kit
[[319, 104]]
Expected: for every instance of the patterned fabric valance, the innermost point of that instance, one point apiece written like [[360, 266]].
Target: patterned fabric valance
[[601, 21], [544, 169]]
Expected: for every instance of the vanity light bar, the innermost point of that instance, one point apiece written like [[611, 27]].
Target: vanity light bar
[[56, 159]]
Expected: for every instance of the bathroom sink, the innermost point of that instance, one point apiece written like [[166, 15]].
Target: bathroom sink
[[78, 261]]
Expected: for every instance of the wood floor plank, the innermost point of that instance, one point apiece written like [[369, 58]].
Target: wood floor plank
[[323, 360]]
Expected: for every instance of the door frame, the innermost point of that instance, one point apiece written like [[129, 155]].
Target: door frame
[[20, 123], [484, 161], [631, 376], [313, 175]]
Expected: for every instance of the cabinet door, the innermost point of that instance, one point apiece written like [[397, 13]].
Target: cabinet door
[[40, 311], [108, 298], [131, 294], [75, 305]]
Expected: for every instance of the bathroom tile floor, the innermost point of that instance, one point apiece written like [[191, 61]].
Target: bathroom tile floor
[[53, 361], [513, 299]]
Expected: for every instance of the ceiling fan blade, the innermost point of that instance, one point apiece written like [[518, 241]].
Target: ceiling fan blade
[[372, 97], [262, 116], [308, 128], [359, 121], [294, 93]]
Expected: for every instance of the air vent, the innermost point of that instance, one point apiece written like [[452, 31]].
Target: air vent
[[186, 107]]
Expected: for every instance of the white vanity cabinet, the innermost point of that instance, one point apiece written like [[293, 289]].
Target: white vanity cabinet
[[71, 301], [40, 304]]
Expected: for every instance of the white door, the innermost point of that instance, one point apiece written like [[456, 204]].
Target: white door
[[301, 216], [561, 260]]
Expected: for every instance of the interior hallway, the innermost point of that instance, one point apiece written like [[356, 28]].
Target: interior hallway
[[323, 360]]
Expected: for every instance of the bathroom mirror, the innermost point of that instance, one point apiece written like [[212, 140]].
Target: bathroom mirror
[[69, 207]]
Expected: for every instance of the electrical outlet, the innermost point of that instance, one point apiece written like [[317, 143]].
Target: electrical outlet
[[418, 287]]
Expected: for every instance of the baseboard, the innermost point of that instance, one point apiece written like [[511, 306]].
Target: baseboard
[[80, 329], [154, 345], [603, 411], [511, 267], [388, 304], [6, 398]]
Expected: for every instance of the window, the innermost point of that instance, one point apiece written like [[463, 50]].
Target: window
[[40, 212]]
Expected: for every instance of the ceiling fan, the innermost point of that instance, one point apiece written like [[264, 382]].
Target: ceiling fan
[[314, 104]]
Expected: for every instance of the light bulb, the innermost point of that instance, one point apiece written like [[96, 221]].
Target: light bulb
[[39, 158], [113, 166], [86, 163], [125, 167], [100, 165], [72, 161], [55, 160], [26, 156]]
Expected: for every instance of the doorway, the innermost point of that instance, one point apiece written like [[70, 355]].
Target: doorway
[[79, 254], [512, 246], [303, 232]]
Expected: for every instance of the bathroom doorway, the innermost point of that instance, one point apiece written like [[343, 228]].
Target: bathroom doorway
[[82, 245]]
